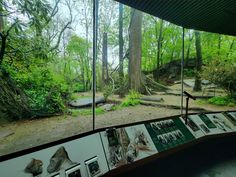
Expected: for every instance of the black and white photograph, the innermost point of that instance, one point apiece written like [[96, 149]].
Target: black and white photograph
[[204, 128], [193, 125], [73, 172], [93, 167], [223, 124], [126, 145], [231, 116]]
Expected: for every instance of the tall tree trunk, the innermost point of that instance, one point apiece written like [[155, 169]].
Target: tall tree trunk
[[3, 38], [135, 46], [197, 84], [1, 17], [159, 45], [121, 52], [104, 60], [13, 102], [189, 46]]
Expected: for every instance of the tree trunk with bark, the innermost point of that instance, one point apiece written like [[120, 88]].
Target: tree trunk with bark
[[121, 52], [159, 39], [189, 46], [197, 84], [135, 46], [13, 102], [104, 61]]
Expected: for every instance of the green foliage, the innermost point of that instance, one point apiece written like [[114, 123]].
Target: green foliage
[[189, 73], [222, 101], [132, 99], [222, 73], [78, 50], [47, 92], [116, 107]]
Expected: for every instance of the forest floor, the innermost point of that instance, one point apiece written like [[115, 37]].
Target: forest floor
[[15, 136]]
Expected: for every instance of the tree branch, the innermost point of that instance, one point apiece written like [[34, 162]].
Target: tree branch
[[64, 28]]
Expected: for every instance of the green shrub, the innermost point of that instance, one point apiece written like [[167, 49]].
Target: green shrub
[[222, 101], [132, 99], [189, 73], [78, 87], [107, 91], [222, 74], [47, 92]]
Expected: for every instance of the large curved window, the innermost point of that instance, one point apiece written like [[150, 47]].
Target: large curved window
[[46, 64]]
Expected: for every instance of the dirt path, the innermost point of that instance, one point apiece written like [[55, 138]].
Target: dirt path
[[32, 133], [26, 134]]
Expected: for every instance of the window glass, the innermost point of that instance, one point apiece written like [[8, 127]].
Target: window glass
[[46, 69]]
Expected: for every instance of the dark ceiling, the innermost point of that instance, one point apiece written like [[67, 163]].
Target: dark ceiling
[[218, 16]]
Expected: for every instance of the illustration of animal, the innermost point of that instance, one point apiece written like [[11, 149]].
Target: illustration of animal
[[59, 161], [35, 167]]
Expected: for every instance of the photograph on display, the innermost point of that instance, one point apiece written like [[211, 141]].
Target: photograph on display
[[221, 123], [60, 160], [231, 116], [35, 167], [204, 128], [193, 125], [125, 145], [207, 121], [169, 133], [93, 167], [73, 172]]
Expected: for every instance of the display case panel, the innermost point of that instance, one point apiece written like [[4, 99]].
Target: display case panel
[[192, 126], [66, 159], [126, 145], [223, 124], [231, 116], [167, 134]]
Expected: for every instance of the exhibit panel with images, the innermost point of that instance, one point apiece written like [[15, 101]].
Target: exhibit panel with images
[[126, 145], [231, 116], [216, 123], [64, 160], [167, 134], [192, 126], [223, 124]]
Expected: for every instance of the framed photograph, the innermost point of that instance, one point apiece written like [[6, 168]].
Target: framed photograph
[[73, 172], [112, 137], [204, 128], [93, 167]]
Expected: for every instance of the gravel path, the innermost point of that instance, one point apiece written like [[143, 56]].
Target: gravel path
[[32, 133]]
